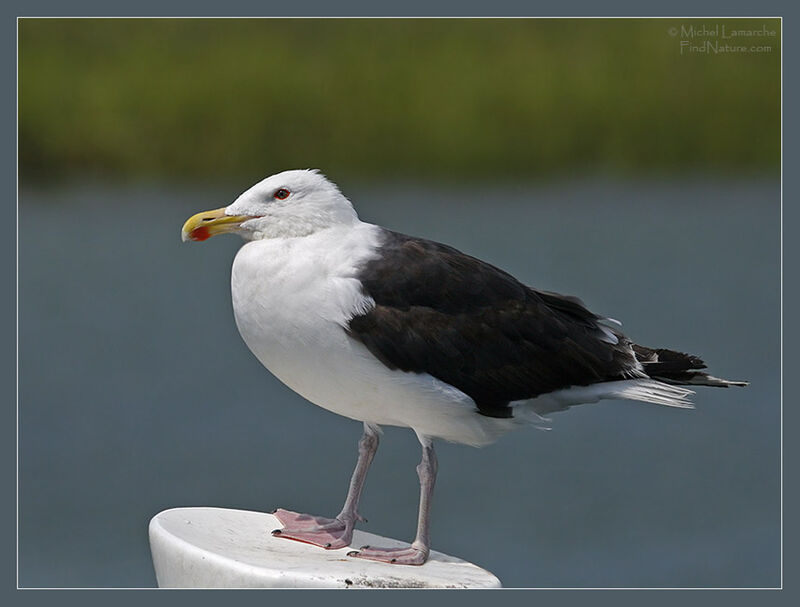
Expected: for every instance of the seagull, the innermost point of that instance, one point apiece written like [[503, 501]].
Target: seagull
[[394, 330]]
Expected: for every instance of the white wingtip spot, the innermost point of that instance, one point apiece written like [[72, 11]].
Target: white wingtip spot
[[608, 336]]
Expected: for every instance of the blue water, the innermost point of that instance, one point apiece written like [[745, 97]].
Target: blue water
[[137, 393]]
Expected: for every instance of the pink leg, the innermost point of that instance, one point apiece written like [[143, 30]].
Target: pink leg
[[337, 532], [418, 552]]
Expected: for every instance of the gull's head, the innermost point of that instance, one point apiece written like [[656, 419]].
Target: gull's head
[[288, 204]]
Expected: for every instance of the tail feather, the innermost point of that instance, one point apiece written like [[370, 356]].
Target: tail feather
[[660, 380], [650, 391], [645, 390], [678, 368]]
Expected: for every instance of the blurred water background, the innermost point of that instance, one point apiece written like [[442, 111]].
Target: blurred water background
[[586, 157]]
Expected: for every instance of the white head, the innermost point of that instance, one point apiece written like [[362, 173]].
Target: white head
[[288, 204]]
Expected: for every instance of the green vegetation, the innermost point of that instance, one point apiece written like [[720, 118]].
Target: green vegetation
[[465, 98]]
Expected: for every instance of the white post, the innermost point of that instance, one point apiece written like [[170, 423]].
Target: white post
[[219, 548]]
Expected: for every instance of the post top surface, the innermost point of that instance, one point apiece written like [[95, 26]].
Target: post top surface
[[217, 547]]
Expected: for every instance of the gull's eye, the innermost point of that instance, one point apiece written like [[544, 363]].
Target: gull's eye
[[282, 194]]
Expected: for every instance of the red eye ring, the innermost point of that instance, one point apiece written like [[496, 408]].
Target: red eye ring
[[282, 194]]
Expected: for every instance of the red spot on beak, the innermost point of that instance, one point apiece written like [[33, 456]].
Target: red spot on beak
[[200, 234]]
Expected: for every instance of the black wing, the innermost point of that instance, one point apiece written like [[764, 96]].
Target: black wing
[[475, 327]]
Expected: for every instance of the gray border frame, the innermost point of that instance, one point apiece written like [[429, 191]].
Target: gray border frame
[[506, 8]]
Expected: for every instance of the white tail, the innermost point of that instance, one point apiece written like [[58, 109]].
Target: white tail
[[645, 390]]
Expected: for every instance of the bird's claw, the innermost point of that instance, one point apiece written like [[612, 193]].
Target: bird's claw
[[327, 533]]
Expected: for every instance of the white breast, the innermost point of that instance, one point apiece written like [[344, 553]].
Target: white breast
[[292, 298]]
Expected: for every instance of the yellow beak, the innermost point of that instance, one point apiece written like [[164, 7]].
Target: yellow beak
[[210, 223]]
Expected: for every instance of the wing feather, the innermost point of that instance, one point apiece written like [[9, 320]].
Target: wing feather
[[468, 323]]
